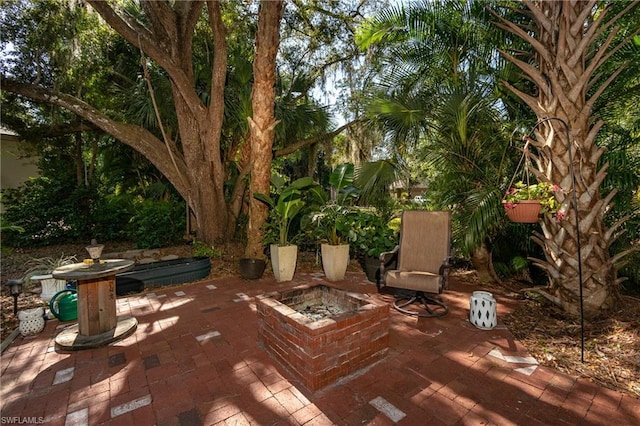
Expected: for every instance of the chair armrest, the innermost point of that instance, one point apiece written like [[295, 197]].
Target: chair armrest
[[385, 258]]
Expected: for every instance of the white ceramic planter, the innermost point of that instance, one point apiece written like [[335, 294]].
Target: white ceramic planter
[[50, 286], [335, 260], [482, 310], [31, 321], [283, 261]]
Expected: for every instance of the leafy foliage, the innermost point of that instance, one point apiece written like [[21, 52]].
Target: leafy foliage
[[371, 233], [45, 265], [50, 211], [157, 224], [284, 210], [202, 249], [332, 222], [374, 180], [111, 217]]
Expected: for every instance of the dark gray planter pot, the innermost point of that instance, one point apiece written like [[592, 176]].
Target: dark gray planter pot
[[252, 269]]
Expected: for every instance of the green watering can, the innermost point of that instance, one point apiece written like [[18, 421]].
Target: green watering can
[[64, 305]]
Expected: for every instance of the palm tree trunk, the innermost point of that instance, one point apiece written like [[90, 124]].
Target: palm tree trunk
[[564, 71], [263, 122], [481, 260]]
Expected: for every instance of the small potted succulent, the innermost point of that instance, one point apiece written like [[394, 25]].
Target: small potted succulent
[[525, 203]]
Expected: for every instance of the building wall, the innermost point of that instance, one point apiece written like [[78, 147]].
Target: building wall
[[14, 169]]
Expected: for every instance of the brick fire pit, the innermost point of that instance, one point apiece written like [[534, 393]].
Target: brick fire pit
[[352, 332]]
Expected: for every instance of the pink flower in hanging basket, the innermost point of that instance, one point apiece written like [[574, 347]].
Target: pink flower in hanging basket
[[543, 192]]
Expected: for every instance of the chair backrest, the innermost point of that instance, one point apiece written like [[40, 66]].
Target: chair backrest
[[425, 239]]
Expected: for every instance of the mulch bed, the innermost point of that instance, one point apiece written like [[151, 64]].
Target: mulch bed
[[611, 342], [611, 346]]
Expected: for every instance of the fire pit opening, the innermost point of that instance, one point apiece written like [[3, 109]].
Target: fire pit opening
[[320, 334]]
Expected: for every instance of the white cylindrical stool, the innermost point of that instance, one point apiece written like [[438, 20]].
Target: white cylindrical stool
[[31, 321], [482, 310]]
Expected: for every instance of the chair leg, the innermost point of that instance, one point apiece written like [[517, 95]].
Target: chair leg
[[431, 306]]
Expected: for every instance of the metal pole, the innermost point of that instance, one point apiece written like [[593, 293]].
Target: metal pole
[[577, 219]]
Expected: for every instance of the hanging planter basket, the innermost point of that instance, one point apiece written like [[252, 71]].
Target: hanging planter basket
[[525, 211]]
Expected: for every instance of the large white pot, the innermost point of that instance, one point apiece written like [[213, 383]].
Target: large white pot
[[50, 286], [283, 261], [335, 260]]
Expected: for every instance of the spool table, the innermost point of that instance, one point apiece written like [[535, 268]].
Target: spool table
[[98, 324]]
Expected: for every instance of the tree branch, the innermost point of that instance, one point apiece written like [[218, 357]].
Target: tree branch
[[516, 30], [307, 142], [218, 72], [57, 130], [598, 60], [140, 37], [136, 137], [531, 101], [533, 73]]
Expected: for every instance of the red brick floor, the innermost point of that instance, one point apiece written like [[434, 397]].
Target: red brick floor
[[194, 359]]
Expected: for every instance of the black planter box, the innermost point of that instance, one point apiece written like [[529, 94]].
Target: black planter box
[[164, 272]]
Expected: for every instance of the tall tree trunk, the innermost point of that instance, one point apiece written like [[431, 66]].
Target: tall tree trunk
[[263, 123], [238, 195], [94, 159], [195, 169], [564, 71]]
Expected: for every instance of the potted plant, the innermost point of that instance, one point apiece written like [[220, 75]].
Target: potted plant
[[285, 208], [525, 203], [372, 234], [331, 223], [332, 226], [41, 269]]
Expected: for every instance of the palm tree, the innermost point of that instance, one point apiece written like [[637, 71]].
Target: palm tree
[[436, 100], [470, 156], [571, 44]]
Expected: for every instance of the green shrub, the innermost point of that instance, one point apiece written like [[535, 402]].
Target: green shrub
[[157, 224], [49, 211], [111, 218], [371, 233]]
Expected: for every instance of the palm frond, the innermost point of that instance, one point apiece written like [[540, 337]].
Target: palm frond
[[374, 180]]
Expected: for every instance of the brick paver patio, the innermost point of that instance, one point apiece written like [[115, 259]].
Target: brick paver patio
[[194, 359]]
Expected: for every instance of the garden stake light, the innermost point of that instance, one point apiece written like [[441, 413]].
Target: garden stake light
[[15, 288]]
